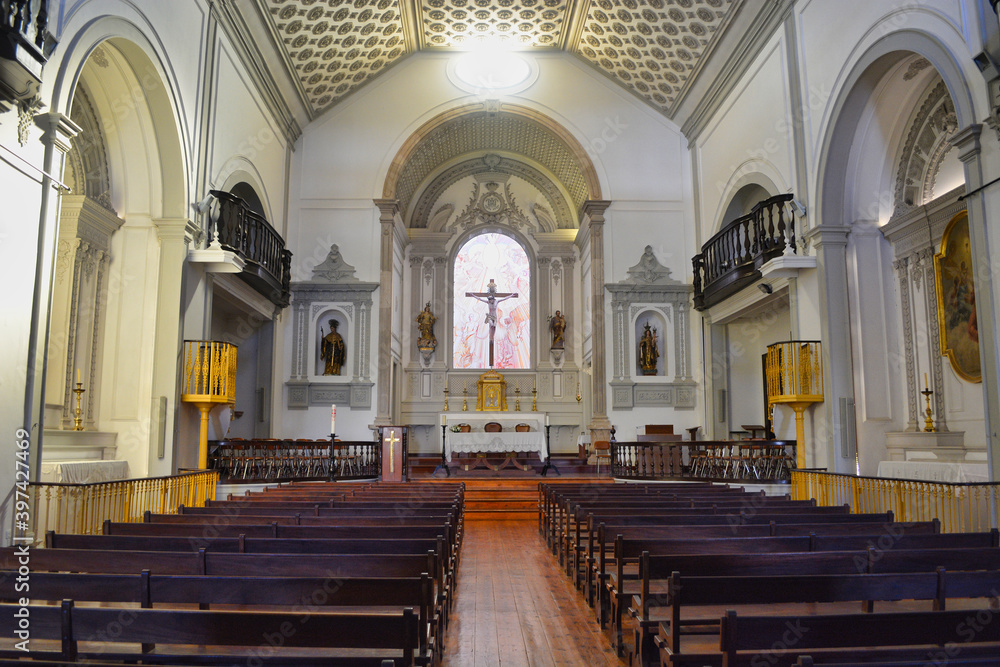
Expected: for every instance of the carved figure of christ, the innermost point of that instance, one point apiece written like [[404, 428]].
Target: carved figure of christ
[[491, 298]]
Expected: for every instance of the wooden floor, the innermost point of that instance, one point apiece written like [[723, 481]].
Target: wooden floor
[[514, 606]]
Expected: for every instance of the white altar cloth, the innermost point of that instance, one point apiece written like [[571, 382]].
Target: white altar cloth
[[934, 471], [83, 472], [495, 443]]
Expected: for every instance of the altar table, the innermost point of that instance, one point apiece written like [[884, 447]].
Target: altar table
[[480, 442]]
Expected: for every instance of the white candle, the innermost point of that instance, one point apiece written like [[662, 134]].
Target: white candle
[[79, 380], [546, 419], [333, 419], [444, 420]]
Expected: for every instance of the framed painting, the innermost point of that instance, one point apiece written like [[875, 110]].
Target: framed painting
[[954, 276]]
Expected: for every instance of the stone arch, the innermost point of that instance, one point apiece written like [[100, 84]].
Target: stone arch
[[464, 129], [752, 179]]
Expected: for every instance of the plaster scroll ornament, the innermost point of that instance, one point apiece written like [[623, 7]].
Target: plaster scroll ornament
[[649, 271], [334, 269], [492, 207]]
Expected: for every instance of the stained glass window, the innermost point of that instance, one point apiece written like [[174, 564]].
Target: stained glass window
[[503, 259]]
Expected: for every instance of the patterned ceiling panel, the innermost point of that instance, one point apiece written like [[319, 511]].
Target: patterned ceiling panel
[[504, 132], [651, 46], [528, 23], [334, 46]]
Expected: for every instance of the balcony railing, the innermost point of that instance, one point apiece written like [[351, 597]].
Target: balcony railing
[[731, 259], [22, 44], [268, 264]]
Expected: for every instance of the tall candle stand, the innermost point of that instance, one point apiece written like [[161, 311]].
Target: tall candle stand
[[548, 455], [78, 414], [465, 399], [444, 461], [517, 399], [445, 409], [928, 420], [534, 399]]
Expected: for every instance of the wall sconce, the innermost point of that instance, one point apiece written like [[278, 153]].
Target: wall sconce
[[765, 288]]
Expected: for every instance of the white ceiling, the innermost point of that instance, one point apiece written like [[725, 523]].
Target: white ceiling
[[654, 48]]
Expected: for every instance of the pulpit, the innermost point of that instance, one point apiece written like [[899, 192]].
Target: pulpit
[[394, 457]]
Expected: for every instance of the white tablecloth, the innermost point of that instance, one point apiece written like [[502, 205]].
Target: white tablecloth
[[83, 472], [495, 443], [934, 471]]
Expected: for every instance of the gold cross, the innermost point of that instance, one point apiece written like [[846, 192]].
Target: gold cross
[[392, 451]]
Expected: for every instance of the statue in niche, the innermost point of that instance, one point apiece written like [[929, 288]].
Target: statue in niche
[[332, 350], [425, 325], [557, 325], [648, 354]]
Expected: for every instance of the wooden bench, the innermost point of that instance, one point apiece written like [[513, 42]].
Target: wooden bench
[[303, 594], [215, 637], [682, 610], [854, 638]]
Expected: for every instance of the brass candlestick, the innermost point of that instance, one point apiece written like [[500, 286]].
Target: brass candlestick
[[517, 399], [78, 414], [445, 399], [928, 421], [534, 399], [579, 396], [465, 400]]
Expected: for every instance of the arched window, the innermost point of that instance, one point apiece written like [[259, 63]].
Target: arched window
[[501, 258]]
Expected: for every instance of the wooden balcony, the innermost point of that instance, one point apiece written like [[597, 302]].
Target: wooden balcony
[[731, 260], [268, 263], [22, 48]]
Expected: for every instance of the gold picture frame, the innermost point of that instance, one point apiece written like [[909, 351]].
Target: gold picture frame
[[954, 278]]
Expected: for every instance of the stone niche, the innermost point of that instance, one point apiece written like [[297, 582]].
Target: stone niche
[[333, 293], [650, 294]]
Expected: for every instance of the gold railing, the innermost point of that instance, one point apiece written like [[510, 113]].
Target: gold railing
[[82, 508], [961, 508]]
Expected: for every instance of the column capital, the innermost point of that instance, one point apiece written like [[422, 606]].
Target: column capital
[[833, 235], [966, 141], [388, 209], [176, 229], [57, 130], [595, 208]]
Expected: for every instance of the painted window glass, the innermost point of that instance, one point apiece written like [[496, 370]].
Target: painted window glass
[[503, 259]]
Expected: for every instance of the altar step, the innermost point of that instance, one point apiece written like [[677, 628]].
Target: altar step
[[504, 499]]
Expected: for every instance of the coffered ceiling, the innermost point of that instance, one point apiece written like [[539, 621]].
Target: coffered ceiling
[[654, 48]]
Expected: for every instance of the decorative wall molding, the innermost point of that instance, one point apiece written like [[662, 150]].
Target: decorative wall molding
[[309, 300], [650, 287]]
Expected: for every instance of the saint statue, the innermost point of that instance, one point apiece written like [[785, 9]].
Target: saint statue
[[558, 326], [648, 354], [425, 325], [332, 350]]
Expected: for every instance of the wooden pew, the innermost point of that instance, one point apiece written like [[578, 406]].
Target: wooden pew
[[303, 594], [216, 637], [677, 612], [853, 638]]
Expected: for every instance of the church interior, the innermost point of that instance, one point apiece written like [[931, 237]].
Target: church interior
[[728, 257]]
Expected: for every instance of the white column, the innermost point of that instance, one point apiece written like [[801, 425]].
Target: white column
[[600, 426], [984, 231], [831, 257], [902, 270], [388, 210]]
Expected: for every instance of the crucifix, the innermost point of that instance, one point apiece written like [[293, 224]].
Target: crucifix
[[392, 452], [491, 298]]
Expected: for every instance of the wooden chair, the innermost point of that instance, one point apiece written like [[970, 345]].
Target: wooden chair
[[602, 450], [464, 428], [493, 427], [522, 428]]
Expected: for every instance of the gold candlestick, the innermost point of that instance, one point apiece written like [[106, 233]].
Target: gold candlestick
[[465, 400], [517, 399], [445, 399], [534, 399], [78, 414], [928, 421], [579, 396]]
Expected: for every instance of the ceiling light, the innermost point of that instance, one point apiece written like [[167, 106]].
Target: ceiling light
[[491, 67]]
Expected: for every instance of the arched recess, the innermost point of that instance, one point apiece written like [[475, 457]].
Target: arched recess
[[459, 131], [239, 170], [133, 363], [855, 262], [749, 180]]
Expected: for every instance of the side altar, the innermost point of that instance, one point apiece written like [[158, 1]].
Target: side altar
[[480, 441]]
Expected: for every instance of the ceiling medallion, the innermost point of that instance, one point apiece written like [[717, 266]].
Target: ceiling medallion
[[490, 70]]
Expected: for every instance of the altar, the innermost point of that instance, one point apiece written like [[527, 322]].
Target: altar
[[478, 441]]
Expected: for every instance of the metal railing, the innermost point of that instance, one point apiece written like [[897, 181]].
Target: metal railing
[[82, 508], [732, 258], [760, 461], [961, 507], [268, 263]]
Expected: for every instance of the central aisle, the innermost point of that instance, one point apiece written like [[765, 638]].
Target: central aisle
[[515, 607]]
